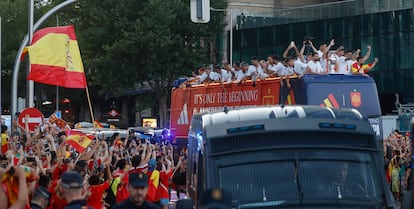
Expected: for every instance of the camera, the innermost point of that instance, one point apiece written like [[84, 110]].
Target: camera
[[307, 39]]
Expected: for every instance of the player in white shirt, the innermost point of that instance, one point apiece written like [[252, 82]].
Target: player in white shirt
[[314, 66], [215, 76], [300, 67], [323, 54], [242, 73], [226, 74], [340, 60], [202, 76], [275, 68]]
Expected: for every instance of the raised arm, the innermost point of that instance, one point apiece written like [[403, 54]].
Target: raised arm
[[325, 53], [302, 51], [368, 54], [373, 65], [312, 46], [23, 195], [285, 53]]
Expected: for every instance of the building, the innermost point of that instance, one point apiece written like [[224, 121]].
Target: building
[[388, 26]]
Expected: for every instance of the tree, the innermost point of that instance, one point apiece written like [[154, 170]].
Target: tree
[[14, 15], [130, 44]]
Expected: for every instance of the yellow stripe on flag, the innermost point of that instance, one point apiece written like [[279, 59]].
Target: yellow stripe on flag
[[327, 103], [61, 52], [289, 99]]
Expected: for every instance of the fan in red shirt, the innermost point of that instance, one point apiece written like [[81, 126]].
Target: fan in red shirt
[[162, 196], [122, 192], [360, 68], [96, 190]]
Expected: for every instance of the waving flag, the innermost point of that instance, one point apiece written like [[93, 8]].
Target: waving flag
[[97, 124], [78, 140], [153, 182], [55, 58]]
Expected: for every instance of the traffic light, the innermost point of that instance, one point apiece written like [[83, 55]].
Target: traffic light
[[200, 11]]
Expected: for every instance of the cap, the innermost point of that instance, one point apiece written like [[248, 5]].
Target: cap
[[340, 48], [217, 199], [43, 191], [72, 180], [138, 180]]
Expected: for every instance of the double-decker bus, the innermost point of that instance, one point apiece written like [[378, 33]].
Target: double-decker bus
[[334, 90], [287, 157]]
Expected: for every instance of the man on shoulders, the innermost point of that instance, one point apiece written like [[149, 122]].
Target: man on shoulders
[[138, 189]]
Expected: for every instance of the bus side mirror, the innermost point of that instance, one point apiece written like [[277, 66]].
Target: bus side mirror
[[184, 204]]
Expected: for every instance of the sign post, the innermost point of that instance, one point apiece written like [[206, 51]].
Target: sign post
[[33, 116]]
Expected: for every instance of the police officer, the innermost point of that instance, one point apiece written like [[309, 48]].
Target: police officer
[[71, 186], [40, 198], [216, 199], [138, 189]]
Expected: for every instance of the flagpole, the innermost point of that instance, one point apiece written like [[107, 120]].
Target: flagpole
[[90, 108], [57, 87]]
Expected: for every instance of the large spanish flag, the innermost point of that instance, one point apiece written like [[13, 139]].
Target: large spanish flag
[[78, 140], [55, 58]]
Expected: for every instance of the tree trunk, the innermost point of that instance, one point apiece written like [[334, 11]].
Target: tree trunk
[[162, 106]]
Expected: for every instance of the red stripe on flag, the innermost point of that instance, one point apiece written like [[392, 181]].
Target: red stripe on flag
[[51, 74], [69, 30], [333, 100]]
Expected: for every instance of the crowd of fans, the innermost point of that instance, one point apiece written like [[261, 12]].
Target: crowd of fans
[[41, 170], [398, 162], [293, 62]]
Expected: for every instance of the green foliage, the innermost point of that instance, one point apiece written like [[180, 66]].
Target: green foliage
[[151, 42], [124, 44]]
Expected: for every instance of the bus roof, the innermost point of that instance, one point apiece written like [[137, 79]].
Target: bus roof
[[273, 112]]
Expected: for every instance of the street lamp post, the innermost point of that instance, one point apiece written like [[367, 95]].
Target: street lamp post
[[25, 41], [29, 83], [231, 31]]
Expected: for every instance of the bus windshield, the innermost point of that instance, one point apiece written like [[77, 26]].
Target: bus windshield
[[296, 177]]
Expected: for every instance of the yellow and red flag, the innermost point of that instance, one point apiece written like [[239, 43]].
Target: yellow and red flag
[[97, 124], [55, 58], [153, 182], [78, 140]]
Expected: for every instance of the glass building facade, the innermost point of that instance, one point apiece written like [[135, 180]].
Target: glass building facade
[[387, 27]]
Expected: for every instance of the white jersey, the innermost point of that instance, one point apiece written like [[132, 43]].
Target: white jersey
[[341, 62], [278, 69], [288, 71], [202, 78], [253, 70], [315, 67], [239, 75], [214, 76], [300, 67], [348, 66], [226, 76]]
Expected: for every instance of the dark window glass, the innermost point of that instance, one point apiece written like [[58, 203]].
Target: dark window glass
[[284, 177], [263, 52], [404, 20], [367, 23], [249, 38], [265, 36]]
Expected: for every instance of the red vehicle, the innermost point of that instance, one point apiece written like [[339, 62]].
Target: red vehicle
[[350, 91]]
